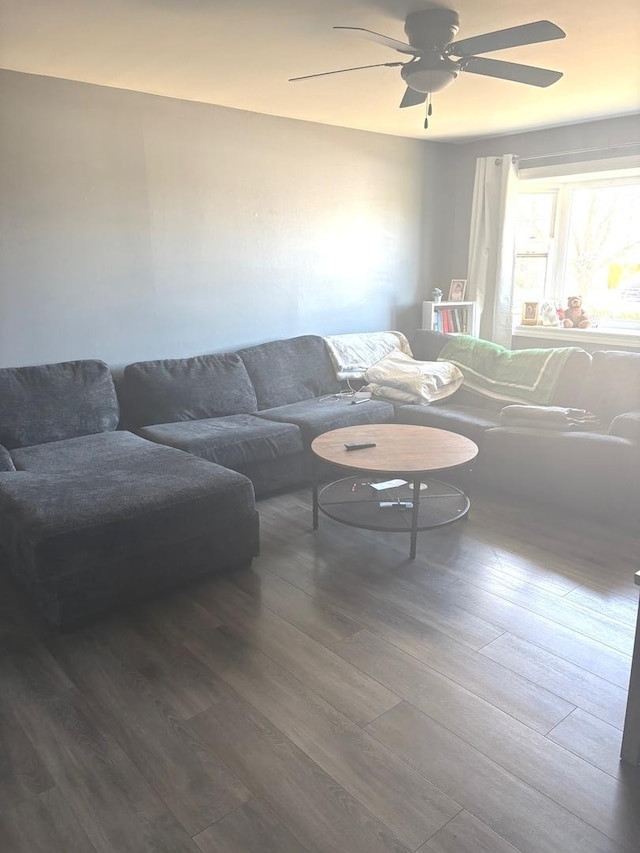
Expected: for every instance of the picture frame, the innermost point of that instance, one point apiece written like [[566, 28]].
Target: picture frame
[[457, 290], [530, 313]]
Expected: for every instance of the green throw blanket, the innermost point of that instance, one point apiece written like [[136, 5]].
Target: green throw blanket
[[516, 376]]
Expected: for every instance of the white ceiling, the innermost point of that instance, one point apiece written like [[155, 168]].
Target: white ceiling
[[240, 53]]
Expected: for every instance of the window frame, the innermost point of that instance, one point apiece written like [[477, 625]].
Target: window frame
[[558, 245], [550, 254]]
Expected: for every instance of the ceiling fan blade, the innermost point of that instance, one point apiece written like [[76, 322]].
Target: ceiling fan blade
[[342, 70], [412, 98], [533, 33], [386, 40], [510, 71]]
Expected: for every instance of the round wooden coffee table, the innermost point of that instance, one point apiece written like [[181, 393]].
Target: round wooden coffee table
[[402, 452]]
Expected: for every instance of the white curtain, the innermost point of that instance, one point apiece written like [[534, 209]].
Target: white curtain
[[492, 245]]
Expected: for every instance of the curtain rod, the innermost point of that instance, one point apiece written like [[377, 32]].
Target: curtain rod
[[579, 151]]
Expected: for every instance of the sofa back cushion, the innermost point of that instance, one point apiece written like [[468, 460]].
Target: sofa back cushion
[[612, 386], [187, 389], [570, 386], [290, 371], [427, 344], [52, 402]]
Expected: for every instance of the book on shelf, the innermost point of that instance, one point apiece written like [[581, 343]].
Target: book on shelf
[[451, 320], [449, 317]]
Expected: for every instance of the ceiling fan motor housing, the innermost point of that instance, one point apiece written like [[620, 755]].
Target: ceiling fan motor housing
[[431, 28], [430, 31]]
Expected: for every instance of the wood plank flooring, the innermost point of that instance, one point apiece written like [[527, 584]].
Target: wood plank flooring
[[337, 696]]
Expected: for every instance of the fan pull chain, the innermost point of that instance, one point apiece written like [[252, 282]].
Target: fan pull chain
[[429, 111]]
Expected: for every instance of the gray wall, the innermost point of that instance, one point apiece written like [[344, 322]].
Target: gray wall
[[606, 134], [134, 226]]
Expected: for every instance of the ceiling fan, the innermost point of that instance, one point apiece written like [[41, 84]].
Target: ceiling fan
[[431, 68]]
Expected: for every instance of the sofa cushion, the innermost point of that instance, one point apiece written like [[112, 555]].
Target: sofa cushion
[[289, 371], [89, 454], [185, 389], [235, 441], [320, 415], [612, 385], [569, 389], [427, 344], [470, 421], [56, 401]]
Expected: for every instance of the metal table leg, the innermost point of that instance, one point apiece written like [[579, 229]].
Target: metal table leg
[[314, 467], [414, 518]]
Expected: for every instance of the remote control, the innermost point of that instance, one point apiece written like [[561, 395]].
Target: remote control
[[359, 445], [396, 504]]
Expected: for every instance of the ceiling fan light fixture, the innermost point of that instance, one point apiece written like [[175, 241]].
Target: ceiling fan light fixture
[[431, 79], [430, 73]]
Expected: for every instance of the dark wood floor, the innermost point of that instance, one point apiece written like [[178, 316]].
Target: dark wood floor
[[337, 697]]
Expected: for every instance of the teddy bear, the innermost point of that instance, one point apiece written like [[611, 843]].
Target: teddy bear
[[575, 317]]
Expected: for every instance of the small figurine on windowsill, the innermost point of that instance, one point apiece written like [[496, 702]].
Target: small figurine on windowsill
[[575, 317], [549, 314]]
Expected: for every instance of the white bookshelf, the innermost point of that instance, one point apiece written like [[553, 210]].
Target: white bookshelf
[[460, 317]]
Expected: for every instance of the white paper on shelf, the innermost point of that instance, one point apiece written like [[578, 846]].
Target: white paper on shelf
[[388, 484]]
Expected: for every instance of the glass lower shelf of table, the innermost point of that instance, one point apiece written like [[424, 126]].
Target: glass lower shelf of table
[[354, 501]]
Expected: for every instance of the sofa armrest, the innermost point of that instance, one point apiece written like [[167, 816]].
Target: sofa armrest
[[627, 426], [6, 462]]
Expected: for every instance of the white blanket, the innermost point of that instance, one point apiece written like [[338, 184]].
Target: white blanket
[[401, 379], [353, 354]]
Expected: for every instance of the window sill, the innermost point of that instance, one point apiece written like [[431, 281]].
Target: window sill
[[616, 337]]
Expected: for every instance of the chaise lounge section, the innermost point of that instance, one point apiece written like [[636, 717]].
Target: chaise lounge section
[[92, 516]]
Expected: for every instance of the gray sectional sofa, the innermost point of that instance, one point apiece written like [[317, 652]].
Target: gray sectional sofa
[[107, 498]]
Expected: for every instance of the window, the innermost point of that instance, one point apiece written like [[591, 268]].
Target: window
[[580, 237]]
